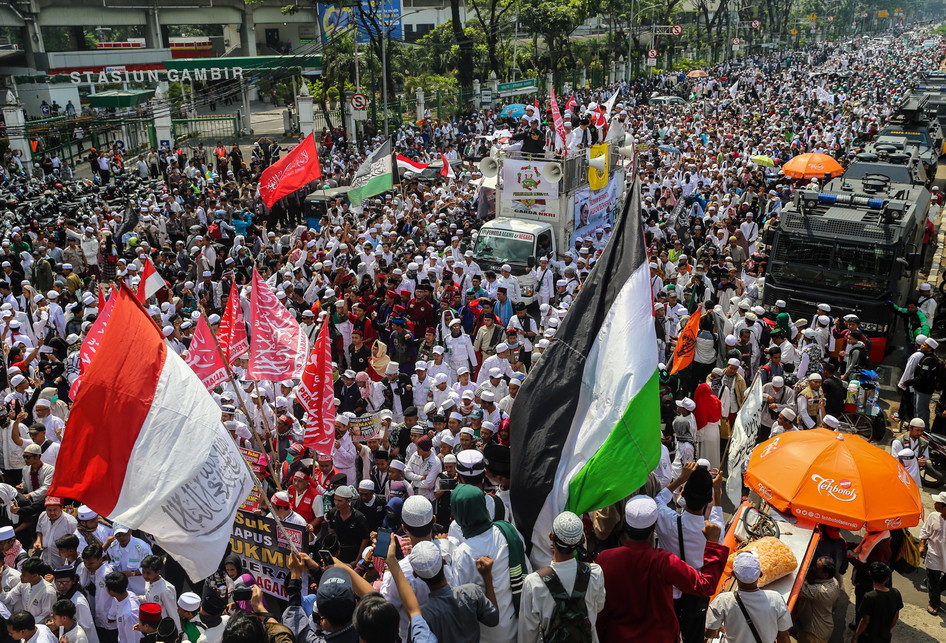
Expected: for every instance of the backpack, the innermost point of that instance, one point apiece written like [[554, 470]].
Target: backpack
[[569, 620], [213, 231]]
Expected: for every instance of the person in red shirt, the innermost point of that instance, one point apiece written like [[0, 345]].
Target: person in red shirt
[[639, 579], [420, 311], [305, 500]]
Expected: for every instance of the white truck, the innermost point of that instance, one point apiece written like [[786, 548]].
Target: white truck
[[542, 206]]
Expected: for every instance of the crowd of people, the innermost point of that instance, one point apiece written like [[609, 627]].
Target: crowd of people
[[414, 520]]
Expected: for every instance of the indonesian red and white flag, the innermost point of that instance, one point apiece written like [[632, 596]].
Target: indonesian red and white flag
[[404, 163], [571, 103], [447, 169], [151, 281], [295, 170], [144, 445], [317, 395], [278, 347], [203, 356], [231, 334], [92, 340]]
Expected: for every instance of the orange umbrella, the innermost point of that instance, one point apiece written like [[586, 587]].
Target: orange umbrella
[[836, 479], [812, 166]]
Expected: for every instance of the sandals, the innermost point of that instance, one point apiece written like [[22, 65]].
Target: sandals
[[932, 611]]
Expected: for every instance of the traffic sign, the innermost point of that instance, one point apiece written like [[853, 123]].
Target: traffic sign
[[830, 19], [676, 30], [756, 24], [45, 110], [359, 102], [812, 16], [120, 144], [737, 41], [517, 87], [651, 62], [651, 53]]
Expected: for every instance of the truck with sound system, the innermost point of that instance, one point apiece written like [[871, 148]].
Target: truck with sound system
[[544, 204]]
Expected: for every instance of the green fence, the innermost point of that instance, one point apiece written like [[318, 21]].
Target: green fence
[[209, 130], [72, 138]]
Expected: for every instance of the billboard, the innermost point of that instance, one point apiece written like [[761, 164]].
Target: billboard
[[370, 17]]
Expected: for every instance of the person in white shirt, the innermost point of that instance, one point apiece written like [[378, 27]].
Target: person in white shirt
[[126, 553], [702, 491], [65, 621], [34, 594], [537, 607], [23, 626], [157, 589], [90, 531], [767, 609], [124, 609], [933, 551], [50, 525], [422, 468], [92, 574]]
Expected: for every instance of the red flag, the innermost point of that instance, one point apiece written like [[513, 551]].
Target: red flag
[[317, 395], [145, 447], [231, 333], [686, 343], [279, 348], [447, 169], [203, 356], [572, 103], [92, 340], [101, 298], [151, 281], [557, 117], [293, 171]]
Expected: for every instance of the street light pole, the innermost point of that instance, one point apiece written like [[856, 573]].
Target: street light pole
[[384, 76]]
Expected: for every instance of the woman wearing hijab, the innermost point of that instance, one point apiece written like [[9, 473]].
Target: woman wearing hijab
[[707, 414], [498, 540], [392, 516]]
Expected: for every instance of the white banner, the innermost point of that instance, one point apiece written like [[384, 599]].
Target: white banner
[[745, 430], [523, 180]]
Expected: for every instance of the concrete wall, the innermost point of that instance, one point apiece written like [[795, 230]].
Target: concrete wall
[[33, 95]]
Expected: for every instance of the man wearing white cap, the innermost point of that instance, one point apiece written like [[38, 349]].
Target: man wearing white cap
[[925, 379], [639, 579], [765, 609], [926, 303], [459, 347], [933, 551], [784, 421], [89, 530], [565, 576], [417, 514], [913, 441], [906, 388], [810, 403], [500, 360], [397, 391], [684, 431]]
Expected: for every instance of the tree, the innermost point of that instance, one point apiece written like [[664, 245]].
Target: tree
[[494, 19], [554, 21], [712, 20]]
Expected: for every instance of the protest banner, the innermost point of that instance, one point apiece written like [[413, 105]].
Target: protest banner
[[253, 501], [745, 430], [264, 553], [366, 427]]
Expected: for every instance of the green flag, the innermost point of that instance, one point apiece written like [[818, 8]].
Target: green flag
[[376, 175]]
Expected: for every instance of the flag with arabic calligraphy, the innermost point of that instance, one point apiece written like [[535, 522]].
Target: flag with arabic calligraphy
[[297, 169], [317, 395], [203, 356], [278, 347]]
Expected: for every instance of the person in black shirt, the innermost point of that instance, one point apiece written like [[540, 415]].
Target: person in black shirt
[[446, 482], [879, 609], [348, 525], [370, 504], [834, 391]]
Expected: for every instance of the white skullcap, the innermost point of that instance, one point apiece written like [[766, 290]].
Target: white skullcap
[[568, 528], [425, 558], [831, 422], [746, 567], [640, 512], [417, 511]]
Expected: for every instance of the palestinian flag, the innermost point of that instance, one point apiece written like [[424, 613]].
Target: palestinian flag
[[585, 427], [376, 175]]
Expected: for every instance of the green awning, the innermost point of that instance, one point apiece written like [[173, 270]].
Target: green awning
[[119, 98], [249, 64]]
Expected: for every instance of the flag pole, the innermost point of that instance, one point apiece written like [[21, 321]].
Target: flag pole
[[239, 394]]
